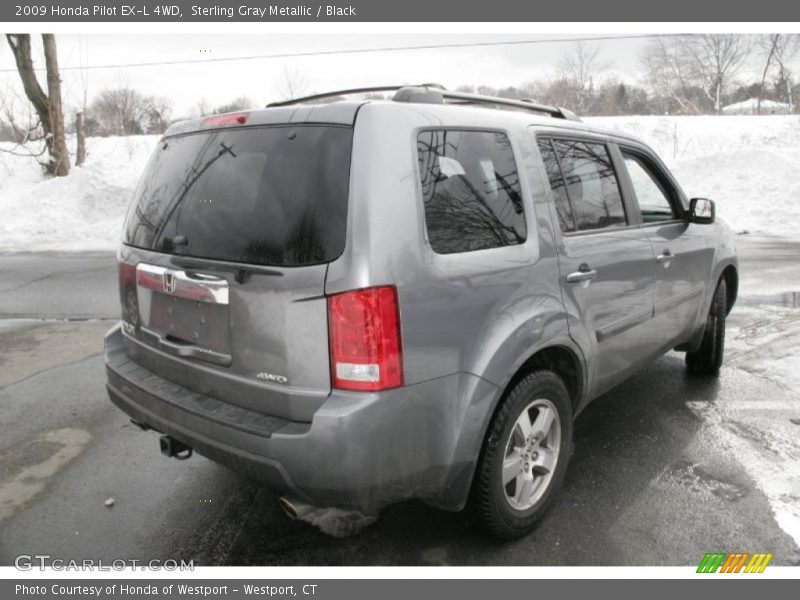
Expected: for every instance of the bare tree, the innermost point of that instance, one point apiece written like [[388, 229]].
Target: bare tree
[[293, 83], [666, 64], [769, 44], [201, 108], [59, 150], [20, 123], [578, 68], [80, 114], [121, 111], [786, 53], [48, 105], [159, 109], [238, 103], [717, 59], [582, 63]]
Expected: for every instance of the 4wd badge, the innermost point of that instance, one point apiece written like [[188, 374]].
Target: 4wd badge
[[272, 378]]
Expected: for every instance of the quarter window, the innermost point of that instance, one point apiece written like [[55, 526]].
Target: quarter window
[[653, 202], [591, 183], [557, 184], [471, 190]]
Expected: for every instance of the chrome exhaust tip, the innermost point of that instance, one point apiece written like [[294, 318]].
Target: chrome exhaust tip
[[295, 508]]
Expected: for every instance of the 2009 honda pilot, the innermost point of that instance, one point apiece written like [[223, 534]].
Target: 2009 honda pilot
[[360, 302]]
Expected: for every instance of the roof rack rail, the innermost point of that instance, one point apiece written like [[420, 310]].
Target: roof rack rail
[[364, 90], [525, 104], [437, 94]]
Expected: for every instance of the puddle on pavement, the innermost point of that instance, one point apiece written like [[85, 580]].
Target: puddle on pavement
[[789, 299]]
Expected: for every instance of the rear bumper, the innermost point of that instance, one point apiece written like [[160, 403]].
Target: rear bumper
[[361, 450]]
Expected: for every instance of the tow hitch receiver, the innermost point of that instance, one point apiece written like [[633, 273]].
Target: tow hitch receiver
[[173, 448]]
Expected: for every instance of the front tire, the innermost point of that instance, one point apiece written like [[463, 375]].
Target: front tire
[[525, 456], [707, 359]]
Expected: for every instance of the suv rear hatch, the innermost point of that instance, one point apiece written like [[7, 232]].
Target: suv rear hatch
[[224, 258]]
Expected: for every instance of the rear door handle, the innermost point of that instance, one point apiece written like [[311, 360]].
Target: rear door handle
[[584, 273], [665, 256]]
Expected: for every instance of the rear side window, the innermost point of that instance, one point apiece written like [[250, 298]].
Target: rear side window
[[263, 195], [591, 183], [470, 187]]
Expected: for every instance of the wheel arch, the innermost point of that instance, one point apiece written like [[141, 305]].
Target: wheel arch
[[564, 358], [727, 272]]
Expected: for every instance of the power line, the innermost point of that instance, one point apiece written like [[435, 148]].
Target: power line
[[362, 51]]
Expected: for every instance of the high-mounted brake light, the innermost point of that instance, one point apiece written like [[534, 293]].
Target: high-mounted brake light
[[222, 120], [366, 350]]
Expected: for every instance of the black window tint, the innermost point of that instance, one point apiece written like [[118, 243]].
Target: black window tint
[[653, 201], [591, 184], [563, 208], [471, 191], [265, 195]]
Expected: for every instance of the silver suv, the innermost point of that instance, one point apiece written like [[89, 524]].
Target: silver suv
[[362, 302]]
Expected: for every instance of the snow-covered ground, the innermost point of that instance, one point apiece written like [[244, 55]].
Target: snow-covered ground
[[760, 429], [83, 211], [748, 164]]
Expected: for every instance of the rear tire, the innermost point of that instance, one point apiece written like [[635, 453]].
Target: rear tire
[[524, 457], [707, 359]]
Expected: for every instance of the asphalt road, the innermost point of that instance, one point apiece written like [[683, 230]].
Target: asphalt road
[[665, 468]]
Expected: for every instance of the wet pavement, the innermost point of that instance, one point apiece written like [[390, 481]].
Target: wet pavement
[[666, 467]]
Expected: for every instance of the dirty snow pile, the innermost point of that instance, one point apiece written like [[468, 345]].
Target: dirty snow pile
[[83, 211], [748, 164]]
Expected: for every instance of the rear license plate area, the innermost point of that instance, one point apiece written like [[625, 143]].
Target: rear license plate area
[[190, 322]]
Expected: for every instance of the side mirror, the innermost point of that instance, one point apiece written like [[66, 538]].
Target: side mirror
[[701, 210]]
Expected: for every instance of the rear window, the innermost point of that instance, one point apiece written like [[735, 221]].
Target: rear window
[[470, 187], [265, 195]]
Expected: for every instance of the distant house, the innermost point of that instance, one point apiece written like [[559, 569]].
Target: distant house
[[750, 107]]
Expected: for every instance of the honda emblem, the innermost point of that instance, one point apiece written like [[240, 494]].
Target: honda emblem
[[169, 282]]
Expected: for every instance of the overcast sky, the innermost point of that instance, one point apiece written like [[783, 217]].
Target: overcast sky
[[219, 82]]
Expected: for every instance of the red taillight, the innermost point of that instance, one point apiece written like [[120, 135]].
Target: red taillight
[[127, 293], [366, 351], [222, 120]]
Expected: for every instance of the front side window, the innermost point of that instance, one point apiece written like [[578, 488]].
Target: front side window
[[470, 189], [592, 185], [653, 202]]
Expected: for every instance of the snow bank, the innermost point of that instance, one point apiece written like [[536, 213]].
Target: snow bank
[[83, 211], [748, 164]]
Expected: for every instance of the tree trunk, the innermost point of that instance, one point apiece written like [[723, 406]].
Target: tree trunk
[[80, 157], [774, 39], [58, 152], [20, 44]]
